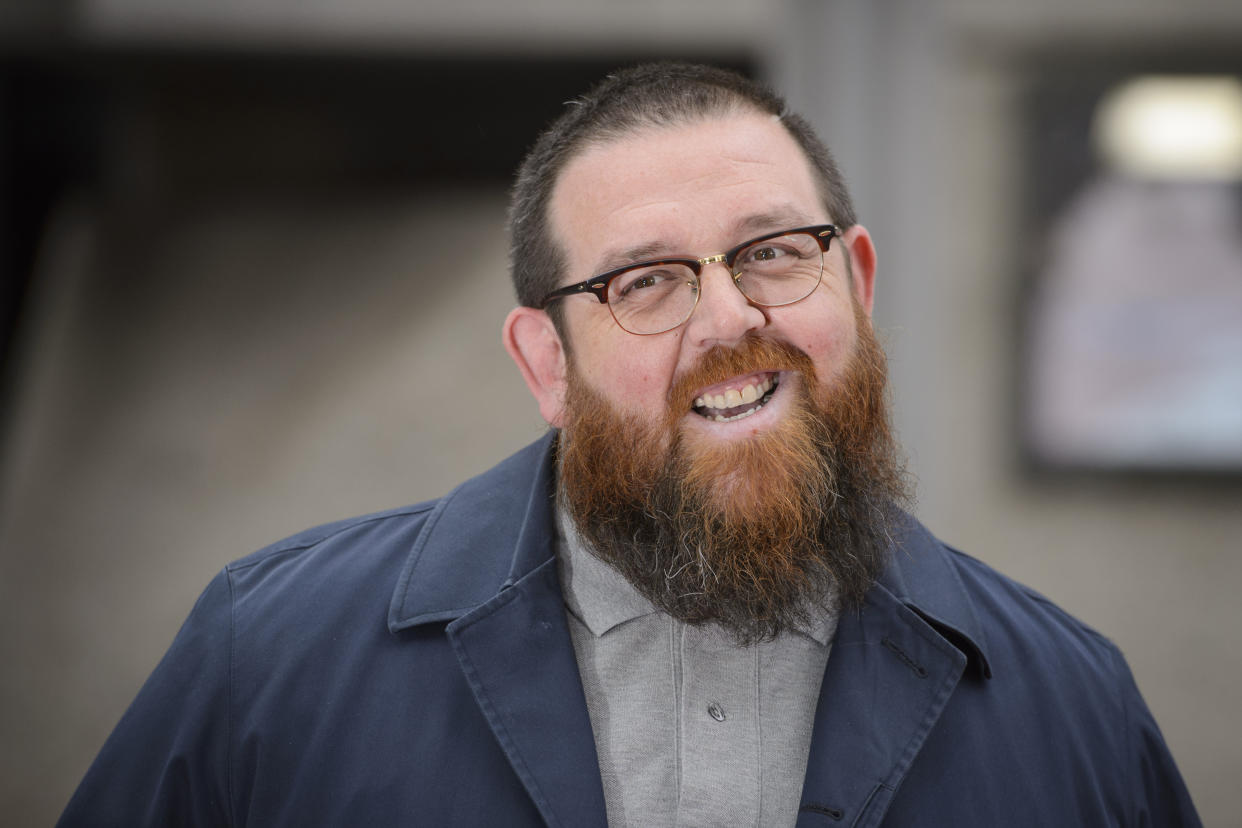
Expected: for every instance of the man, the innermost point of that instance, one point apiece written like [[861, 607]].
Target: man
[[696, 602]]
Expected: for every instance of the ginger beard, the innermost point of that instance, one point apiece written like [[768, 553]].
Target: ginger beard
[[754, 534]]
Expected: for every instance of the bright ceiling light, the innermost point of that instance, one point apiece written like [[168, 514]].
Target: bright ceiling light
[[1187, 127]]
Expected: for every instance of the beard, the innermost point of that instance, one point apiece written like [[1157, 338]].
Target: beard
[[755, 534]]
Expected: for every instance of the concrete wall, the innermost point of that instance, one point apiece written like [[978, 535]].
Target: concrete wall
[[269, 367]]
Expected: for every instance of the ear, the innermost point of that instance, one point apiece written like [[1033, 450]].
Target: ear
[[857, 242], [532, 342]]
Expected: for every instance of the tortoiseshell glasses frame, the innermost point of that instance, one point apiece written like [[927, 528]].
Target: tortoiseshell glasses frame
[[647, 297]]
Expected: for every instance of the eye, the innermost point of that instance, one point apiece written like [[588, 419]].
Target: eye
[[769, 256], [776, 255], [639, 282], [644, 280], [766, 253]]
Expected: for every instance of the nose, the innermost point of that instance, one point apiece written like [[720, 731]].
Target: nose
[[724, 315]]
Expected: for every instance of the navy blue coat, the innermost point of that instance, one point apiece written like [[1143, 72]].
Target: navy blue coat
[[415, 668]]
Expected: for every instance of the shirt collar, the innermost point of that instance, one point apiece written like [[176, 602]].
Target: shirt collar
[[603, 599]]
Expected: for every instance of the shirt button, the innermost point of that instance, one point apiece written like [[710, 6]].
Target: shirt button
[[716, 712]]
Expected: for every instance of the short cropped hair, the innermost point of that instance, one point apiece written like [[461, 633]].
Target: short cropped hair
[[653, 94]]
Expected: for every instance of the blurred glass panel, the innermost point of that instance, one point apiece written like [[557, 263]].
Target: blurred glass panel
[[1135, 319]]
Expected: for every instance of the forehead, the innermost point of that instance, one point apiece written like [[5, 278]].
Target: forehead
[[682, 189]]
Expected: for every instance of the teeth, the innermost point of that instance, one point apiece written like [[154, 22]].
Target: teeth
[[732, 397], [745, 413]]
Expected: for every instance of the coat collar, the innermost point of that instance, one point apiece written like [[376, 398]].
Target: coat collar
[[922, 576], [484, 563], [482, 537], [495, 528]]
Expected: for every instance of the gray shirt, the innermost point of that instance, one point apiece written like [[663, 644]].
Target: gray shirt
[[690, 728]]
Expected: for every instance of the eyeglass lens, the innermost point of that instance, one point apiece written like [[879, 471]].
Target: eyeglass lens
[[656, 298]]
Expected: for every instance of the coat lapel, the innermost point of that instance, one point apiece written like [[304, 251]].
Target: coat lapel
[[516, 653], [888, 679], [894, 664], [484, 563]]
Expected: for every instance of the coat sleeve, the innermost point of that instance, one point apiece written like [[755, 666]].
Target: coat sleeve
[[167, 761], [1159, 795]]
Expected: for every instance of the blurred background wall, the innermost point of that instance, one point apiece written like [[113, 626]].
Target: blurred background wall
[[253, 270]]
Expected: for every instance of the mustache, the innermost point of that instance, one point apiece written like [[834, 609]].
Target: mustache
[[752, 355]]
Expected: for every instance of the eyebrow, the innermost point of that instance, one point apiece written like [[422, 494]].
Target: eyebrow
[[755, 224], [779, 219], [632, 255]]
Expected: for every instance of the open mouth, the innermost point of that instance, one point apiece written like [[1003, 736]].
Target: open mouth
[[736, 403]]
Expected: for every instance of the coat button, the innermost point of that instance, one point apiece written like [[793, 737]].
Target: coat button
[[716, 712]]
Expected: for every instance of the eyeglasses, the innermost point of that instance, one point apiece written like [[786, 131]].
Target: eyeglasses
[[656, 296]]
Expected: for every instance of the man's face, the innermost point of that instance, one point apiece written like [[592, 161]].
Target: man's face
[[697, 190], [755, 521]]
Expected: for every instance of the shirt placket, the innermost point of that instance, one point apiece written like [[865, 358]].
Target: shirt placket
[[718, 718]]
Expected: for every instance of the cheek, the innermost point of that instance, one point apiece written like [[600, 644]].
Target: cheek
[[646, 374], [641, 386], [635, 372], [829, 342], [832, 343]]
